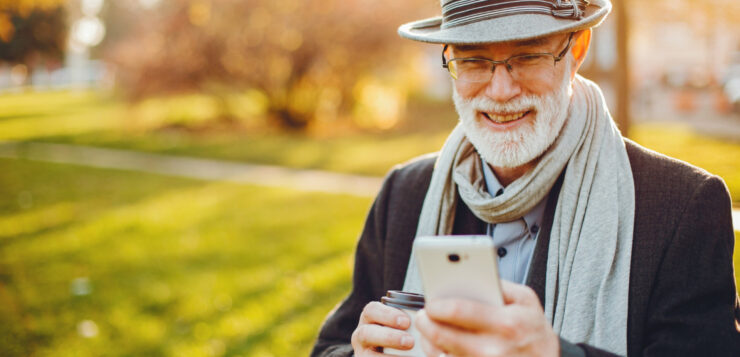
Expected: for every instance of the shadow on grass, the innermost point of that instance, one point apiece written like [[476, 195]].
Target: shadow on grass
[[37, 115], [129, 238], [51, 184], [85, 193], [9, 240], [125, 279], [252, 342]]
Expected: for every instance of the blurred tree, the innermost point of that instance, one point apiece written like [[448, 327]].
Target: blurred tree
[[301, 54], [32, 31]]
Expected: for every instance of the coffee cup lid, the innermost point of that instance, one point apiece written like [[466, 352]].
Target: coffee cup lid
[[403, 300]]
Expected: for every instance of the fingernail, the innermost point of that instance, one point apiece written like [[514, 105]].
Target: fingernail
[[401, 321], [407, 341]]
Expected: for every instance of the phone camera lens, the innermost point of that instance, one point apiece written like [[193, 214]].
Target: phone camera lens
[[453, 258]]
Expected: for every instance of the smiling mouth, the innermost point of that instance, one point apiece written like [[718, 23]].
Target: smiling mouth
[[505, 118]]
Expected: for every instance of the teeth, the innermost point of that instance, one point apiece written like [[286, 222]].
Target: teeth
[[504, 118]]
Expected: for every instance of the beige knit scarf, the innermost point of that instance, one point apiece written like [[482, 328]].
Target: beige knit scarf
[[588, 262]]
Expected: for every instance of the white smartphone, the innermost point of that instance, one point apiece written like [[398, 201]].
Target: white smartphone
[[459, 266]]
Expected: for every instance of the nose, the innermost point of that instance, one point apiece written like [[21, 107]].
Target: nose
[[502, 87]]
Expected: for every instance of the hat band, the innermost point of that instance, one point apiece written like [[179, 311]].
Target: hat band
[[463, 12]]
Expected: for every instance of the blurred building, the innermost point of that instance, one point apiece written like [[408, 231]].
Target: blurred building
[[691, 42], [681, 55]]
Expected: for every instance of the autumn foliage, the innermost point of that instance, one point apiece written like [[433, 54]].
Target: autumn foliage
[[301, 54], [32, 31]]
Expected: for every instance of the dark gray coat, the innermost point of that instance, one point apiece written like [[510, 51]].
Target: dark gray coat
[[682, 298]]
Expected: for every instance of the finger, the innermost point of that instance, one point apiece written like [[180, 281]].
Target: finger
[[371, 353], [429, 349], [519, 294], [515, 321], [377, 313], [444, 338], [462, 313], [386, 354], [371, 335]]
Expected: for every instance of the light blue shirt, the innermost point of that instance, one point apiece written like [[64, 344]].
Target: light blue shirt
[[514, 240]]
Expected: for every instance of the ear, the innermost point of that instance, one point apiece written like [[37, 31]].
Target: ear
[[582, 40]]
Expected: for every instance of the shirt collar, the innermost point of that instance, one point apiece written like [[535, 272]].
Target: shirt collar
[[533, 217]]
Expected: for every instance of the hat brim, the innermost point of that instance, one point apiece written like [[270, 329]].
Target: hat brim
[[502, 29]]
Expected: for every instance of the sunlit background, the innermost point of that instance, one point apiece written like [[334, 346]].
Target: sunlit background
[[149, 197]]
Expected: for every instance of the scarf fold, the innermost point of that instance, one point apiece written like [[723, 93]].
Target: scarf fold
[[588, 262]]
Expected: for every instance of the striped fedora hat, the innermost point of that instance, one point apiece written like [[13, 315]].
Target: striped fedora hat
[[486, 21]]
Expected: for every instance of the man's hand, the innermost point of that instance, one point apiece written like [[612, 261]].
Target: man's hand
[[379, 327], [461, 327]]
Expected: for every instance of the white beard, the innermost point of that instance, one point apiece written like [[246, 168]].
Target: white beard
[[521, 145]]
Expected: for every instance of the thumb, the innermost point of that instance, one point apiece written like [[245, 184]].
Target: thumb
[[518, 294]]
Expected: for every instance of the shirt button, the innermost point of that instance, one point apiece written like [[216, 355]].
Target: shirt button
[[535, 228], [501, 252]]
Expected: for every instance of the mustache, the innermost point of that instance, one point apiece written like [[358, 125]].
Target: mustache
[[519, 104]]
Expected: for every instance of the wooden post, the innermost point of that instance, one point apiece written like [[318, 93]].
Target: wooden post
[[621, 75]]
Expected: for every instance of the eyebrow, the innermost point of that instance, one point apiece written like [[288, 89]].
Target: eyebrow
[[524, 43]]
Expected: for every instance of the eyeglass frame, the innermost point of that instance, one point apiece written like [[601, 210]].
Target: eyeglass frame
[[560, 56]]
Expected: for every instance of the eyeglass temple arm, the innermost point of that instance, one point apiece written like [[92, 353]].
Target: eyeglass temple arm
[[444, 60], [565, 50]]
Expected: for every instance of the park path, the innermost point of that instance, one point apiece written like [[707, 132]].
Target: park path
[[195, 168], [205, 169]]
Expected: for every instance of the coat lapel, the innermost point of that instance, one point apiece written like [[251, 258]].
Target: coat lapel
[[466, 223], [538, 265]]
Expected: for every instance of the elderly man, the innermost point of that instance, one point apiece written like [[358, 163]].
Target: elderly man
[[605, 248]]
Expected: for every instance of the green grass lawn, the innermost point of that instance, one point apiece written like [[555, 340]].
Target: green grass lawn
[[102, 262], [718, 157]]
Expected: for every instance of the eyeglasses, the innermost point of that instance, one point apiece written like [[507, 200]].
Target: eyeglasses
[[520, 67]]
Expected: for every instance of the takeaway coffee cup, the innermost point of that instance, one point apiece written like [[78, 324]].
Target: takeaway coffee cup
[[409, 303]]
